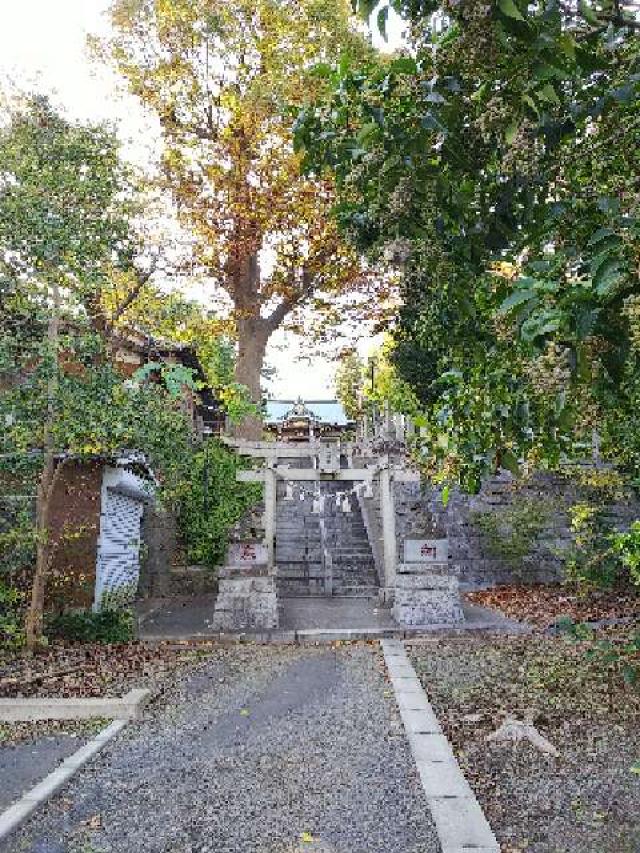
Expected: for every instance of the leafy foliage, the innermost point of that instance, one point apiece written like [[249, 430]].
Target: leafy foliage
[[627, 547], [211, 502], [107, 626], [64, 233], [225, 88], [512, 531], [349, 383], [493, 162], [11, 623]]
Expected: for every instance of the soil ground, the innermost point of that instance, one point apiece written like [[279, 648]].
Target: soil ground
[[544, 605], [586, 800]]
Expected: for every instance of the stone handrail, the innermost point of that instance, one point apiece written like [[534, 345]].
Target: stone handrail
[[327, 559]]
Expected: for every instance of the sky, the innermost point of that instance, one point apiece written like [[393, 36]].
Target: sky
[[43, 47]]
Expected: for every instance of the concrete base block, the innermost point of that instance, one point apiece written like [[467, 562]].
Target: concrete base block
[[429, 610], [426, 595], [246, 603]]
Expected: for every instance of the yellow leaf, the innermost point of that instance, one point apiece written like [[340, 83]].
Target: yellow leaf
[[306, 837]]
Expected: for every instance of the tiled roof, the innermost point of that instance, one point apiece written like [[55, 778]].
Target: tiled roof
[[327, 411]]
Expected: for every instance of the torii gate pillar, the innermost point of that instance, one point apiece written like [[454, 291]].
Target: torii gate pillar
[[270, 483], [388, 518]]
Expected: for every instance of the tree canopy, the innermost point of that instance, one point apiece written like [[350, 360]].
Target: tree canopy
[[225, 81], [495, 161]]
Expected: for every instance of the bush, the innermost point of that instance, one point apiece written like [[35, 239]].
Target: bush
[[591, 560], [212, 502], [107, 626], [11, 617], [627, 547], [601, 555], [511, 532]]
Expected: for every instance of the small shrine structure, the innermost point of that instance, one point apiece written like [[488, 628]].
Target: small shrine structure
[[306, 420]]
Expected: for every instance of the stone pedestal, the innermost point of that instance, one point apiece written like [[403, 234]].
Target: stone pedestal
[[246, 599], [426, 594]]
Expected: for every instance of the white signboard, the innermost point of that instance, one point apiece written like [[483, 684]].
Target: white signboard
[[426, 550]]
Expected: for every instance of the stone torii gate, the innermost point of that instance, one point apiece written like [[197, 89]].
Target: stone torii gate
[[326, 467]]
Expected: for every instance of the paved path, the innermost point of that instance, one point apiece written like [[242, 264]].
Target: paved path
[[23, 765], [183, 617], [257, 750]]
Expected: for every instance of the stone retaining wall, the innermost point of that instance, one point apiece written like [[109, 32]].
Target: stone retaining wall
[[420, 513]]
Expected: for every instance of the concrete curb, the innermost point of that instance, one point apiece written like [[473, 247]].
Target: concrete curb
[[16, 814], [126, 707], [325, 635], [460, 822]]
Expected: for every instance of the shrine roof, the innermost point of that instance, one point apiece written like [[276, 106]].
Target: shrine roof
[[327, 411]]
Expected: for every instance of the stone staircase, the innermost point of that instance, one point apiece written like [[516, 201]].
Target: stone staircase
[[304, 549], [354, 572]]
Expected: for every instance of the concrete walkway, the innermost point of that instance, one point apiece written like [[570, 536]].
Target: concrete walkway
[[182, 618], [23, 765], [259, 749]]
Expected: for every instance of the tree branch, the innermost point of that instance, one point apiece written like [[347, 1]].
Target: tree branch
[[289, 303], [142, 279]]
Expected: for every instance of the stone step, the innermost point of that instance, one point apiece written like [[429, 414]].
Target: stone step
[[360, 591]]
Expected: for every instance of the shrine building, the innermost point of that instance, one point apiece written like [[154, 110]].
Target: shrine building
[[306, 420]]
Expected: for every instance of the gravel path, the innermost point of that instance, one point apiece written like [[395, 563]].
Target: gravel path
[[255, 750]]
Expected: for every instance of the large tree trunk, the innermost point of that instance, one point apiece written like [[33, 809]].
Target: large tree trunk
[[253, 335]]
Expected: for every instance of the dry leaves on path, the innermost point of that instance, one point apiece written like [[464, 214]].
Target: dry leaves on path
[[542, 605]]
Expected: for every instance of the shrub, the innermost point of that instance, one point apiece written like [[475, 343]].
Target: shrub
[[511, 532], [591, 559], [107, 626], [11, 618], [212, 502], [627, 547]]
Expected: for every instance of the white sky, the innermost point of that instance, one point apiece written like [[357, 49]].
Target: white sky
[[43, 47]]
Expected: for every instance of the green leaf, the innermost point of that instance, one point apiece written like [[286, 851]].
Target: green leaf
[[518, 297], [446, 494], [430, 122], [608, 277], [540, 324], [528, 100], [510, 462], [588, 13], [403, 65], [511, 132], [567, 44], [601, 234], [383, 16], [548, 93], [509, 8]]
